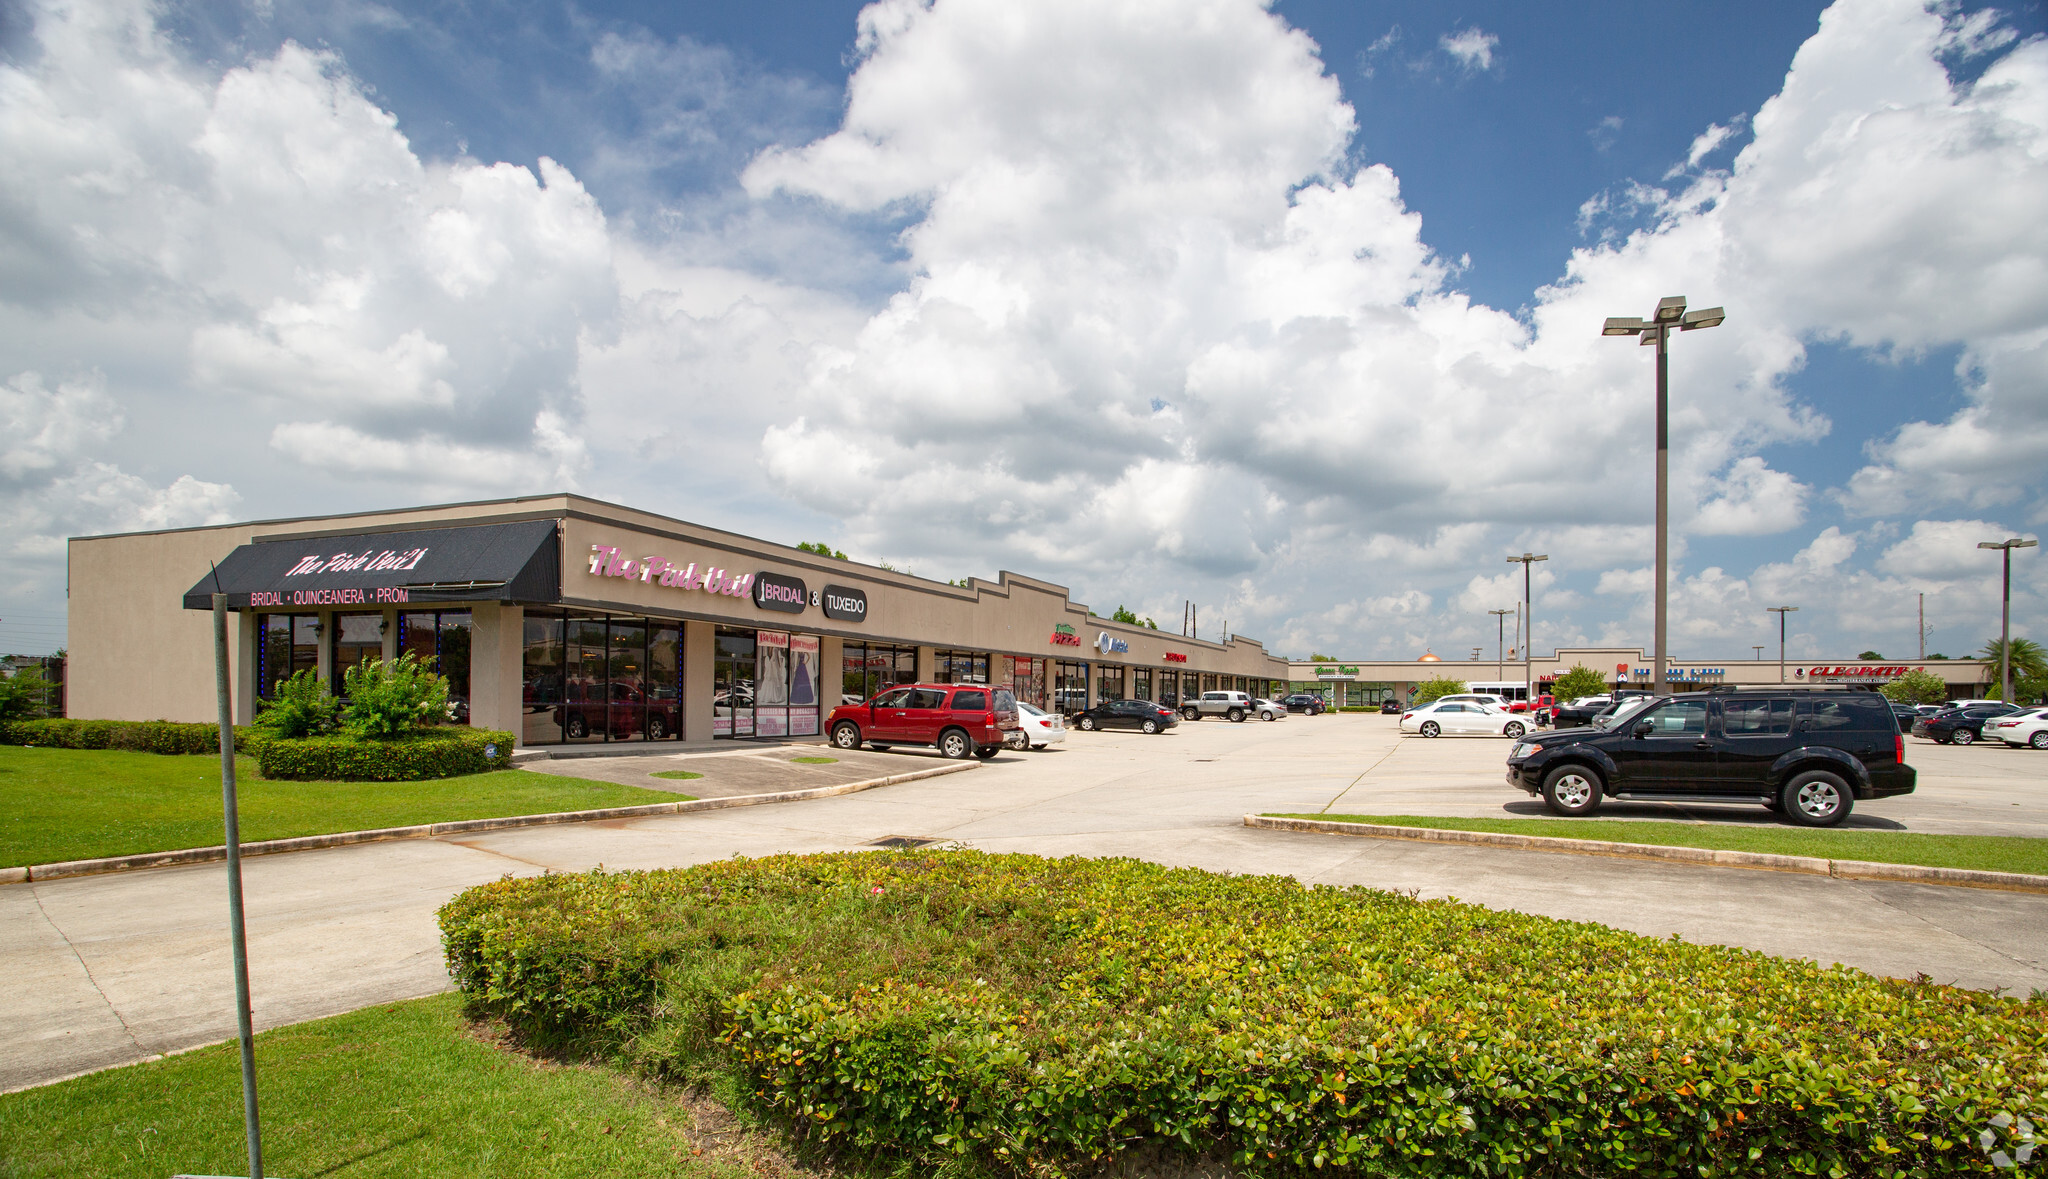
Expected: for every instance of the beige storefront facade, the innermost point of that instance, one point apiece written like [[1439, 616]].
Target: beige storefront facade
[[1364, 682], [567, 620]]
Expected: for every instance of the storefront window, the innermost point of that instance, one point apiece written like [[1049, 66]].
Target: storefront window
[[598, 679], [290, 643], [1141, 683], [1027, 680], [1169, 688], [732, 683], [441, 641], [960, 667], [1109, 682], [867, 670], [357, 637], [541, 696]]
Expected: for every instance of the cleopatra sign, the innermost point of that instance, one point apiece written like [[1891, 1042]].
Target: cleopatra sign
[[1853, 673]]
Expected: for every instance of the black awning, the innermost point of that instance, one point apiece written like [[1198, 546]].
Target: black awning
[[479, 562]]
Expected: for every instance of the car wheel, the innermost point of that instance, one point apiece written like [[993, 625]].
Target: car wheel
[[1191, 714], [1514, 729], [1816, 798], [1150, 726], [953, 743], [985, 752], [1236, 716], [1572, 791], [1431, 729], [578, 728], [2039, 740], [1963, 737], [657, 728], [1266, 716], [846, 735], [1086, 725]]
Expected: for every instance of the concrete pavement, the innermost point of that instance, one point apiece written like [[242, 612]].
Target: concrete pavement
[[105, 970]]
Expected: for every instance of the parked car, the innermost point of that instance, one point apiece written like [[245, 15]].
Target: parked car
[[1142, 715], [958, 721], [1037, 728], [1618, 711], [1905, 714], [2029, 728], [1961, 726], [1490, 699], [1537, 705], [1808, 753], [1233, 706], [1582, 710], [1306, 702], [1392, 707], [1268, 710], [1459, 716]]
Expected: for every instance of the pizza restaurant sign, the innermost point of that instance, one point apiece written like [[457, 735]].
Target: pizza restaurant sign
[[1064, 636], [1853, 673]]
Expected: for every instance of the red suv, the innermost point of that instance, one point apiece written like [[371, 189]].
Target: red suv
[[957, 719]]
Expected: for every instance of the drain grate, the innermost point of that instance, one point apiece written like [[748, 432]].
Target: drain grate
[[901, 841]]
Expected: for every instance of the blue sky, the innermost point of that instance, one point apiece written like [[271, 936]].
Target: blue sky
[[776, 256]]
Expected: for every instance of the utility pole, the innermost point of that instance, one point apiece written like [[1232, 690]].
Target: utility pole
[[1781, 612], [1528, 561], [1923, 627], [1499, 660]]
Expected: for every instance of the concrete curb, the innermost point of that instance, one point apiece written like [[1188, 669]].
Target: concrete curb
[[268, 847], [1809, 865]]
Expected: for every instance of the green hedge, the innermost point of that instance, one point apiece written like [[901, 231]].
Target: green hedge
[[142, 736], [1045, 1015], [429, 753]]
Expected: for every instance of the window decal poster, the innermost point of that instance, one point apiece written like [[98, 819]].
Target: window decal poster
[[803, 685]]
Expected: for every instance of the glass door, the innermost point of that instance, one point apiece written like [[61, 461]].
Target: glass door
[[586, 708], [732, 684], [626, 662]]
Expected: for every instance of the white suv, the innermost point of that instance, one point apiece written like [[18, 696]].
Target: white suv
[[1230, 705]]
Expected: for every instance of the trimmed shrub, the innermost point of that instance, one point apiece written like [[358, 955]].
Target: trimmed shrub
[[429, 753], [1044, 1015], [141, 736]]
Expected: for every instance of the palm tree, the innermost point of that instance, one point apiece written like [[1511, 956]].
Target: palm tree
[[2029, 661]]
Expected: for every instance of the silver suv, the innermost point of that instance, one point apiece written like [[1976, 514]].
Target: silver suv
[[1232, 705]]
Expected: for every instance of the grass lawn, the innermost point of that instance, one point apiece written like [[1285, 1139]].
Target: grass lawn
[[1983, 853], [71, 804], [407, 1090]]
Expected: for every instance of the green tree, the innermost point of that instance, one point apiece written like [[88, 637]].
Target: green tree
[[1123, 615], [2029, 667], [1437, 689], [1322, 659], [1870, 655], [1917, 687], [387, 697], [822, 549], [24, 695], [1579, 681]]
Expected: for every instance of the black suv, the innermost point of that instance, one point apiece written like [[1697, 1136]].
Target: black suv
[[1307, 702], [1809, 754]]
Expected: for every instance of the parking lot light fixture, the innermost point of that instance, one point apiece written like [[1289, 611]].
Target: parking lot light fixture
[[1500, 627], [2005, 613], [1669, 316], [1528, 561], [1781, 612]]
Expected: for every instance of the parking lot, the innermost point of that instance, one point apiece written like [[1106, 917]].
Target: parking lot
[[120, 967]]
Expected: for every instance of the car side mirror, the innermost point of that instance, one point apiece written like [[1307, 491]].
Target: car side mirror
[[1644, 729]]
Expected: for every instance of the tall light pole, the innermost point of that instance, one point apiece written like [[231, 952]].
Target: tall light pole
[[1500, 626], [2005, 617], [1670, 315], [1526, 561], [1758, 648], [1781, 612]]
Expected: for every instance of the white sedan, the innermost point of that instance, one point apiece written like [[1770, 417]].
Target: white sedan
[[1040, 728], [1458, 716], [1269, 710], [2028, 728]]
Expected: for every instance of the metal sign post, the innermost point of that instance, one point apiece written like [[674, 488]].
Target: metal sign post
[[236, 930]]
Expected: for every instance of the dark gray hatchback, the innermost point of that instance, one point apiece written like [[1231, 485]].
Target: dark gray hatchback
[[1809, 754]]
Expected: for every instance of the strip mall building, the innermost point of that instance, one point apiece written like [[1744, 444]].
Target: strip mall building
[[1365, 682], [569, 621]]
